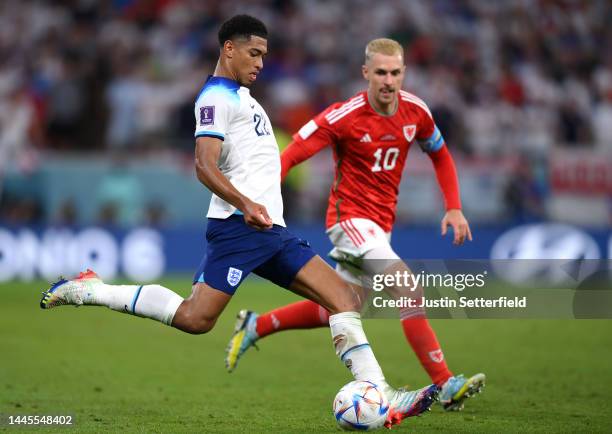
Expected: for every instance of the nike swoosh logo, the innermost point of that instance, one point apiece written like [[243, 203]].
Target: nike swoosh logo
[[252, 106]]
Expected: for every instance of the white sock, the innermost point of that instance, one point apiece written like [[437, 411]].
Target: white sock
[[149, 301], [353, 348]]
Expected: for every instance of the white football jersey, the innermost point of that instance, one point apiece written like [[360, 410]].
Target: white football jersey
[[250, 158]]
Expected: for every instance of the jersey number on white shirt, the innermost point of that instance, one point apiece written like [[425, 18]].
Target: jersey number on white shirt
[[261, 125]]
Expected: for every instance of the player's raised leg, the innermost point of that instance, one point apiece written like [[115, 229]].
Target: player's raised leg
[[318, 282], [150, 301], [196, 314]]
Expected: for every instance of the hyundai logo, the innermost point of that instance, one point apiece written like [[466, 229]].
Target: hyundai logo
[[553, 252]]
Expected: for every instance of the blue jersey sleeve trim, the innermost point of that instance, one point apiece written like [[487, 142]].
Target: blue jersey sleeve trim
[[210, 134]]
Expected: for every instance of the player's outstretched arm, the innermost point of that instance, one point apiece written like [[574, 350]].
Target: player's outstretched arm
[[446, 173], [298, 151], [461, 228], [310, 139], [208, 150]]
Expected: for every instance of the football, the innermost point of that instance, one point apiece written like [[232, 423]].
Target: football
[[360, 405]]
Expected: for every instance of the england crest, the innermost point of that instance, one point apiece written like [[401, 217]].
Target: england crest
[[233, 276], [409, 132]]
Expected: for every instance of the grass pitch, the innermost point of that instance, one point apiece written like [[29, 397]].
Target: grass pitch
[[114, 372]]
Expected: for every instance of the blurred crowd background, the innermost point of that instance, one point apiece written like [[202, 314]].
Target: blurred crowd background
[[97, 121]]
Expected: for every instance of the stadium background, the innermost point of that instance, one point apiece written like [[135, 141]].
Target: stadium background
[[96, 169], [96, 123]]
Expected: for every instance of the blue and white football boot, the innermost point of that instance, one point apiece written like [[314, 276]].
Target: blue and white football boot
[[458, 388]]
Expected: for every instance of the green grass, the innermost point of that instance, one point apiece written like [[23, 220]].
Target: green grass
[[114, 372]]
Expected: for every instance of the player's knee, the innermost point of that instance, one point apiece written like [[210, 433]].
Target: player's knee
[[198, 326]]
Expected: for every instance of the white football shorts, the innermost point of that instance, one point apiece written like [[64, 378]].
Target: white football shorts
[[357, 239]]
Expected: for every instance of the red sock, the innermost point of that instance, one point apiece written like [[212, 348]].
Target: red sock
[[300, 315], [425, 345]]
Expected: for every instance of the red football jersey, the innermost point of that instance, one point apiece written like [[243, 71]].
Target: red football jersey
[[370, 151]]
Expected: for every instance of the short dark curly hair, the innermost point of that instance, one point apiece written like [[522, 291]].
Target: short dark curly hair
[[241, 26]]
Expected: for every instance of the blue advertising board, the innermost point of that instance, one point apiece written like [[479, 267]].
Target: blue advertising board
[[145, 254]]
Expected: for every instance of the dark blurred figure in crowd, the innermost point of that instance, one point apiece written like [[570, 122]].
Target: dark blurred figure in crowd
[[67, 214], [21, 210], [523, 195], [155, 214]]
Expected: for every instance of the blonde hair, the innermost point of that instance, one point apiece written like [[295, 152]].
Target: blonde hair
[[384, 46]]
